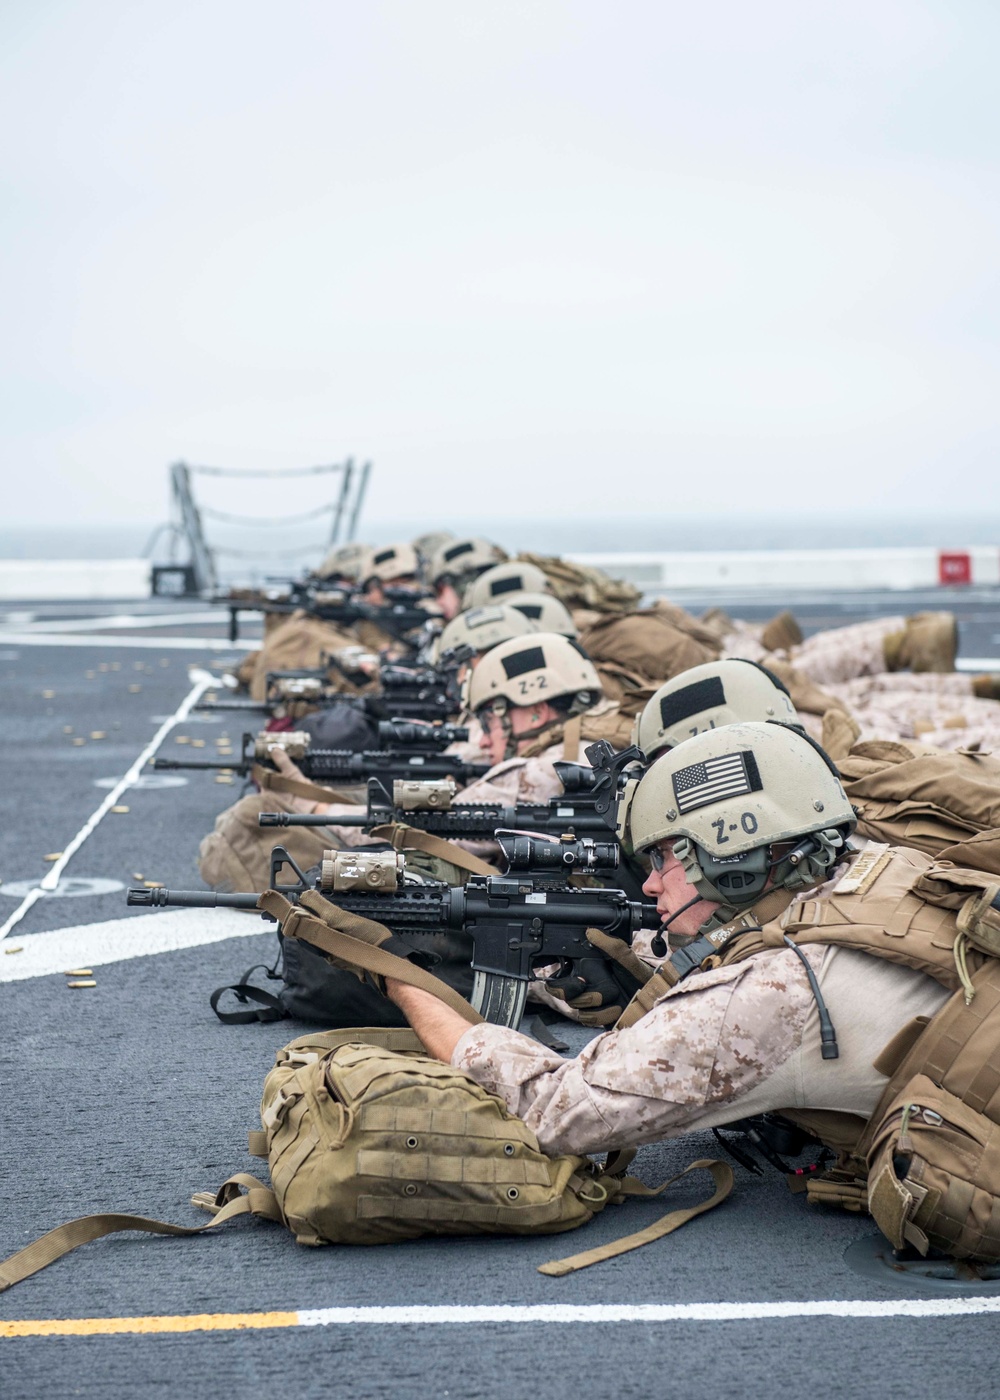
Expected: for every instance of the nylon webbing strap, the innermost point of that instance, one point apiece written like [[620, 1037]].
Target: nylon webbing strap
[[64, 1238], [571, 739], [721, 1174], [411, 838], [300, 787], [355, 943]]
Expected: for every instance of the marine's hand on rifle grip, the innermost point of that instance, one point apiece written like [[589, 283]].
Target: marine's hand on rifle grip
[[288, 768]]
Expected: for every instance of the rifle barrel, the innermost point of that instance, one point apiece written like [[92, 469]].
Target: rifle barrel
[[189, 899], [201, 764]]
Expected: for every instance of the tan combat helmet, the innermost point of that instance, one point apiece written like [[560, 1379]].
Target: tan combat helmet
[[428, 545], [460, 561], [497, 584], [387, 562], [707, 697], [484, 628], [344, 561], [532, 669], [727, 797], [548, 614]]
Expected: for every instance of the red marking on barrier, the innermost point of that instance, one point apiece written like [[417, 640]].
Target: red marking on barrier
[[954, 566]]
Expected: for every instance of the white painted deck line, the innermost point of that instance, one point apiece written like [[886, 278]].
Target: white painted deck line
[[69, 639], [203, 680], [590, 1313], [120, 940], [97, 624]]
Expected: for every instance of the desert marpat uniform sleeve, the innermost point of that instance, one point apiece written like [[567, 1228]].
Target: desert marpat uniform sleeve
[[707, 1042], [714, 1049], [518, 780]]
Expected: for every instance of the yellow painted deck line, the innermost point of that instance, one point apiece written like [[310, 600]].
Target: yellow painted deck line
[[559, 1314], [111, 1326]]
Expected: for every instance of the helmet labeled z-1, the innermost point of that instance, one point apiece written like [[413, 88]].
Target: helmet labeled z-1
[[745, 807], [708, 697]]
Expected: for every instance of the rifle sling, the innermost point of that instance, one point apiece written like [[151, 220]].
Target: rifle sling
[[355, 942], [412, 838], [572, 731], [270, 781]]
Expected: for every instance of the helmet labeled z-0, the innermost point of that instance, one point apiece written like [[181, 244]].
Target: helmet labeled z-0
[[708, 697], [745, 806]]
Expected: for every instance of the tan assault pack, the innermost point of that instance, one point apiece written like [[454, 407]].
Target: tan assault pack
[[579, 586], [371, 1141], [647, 644], [946, 804]]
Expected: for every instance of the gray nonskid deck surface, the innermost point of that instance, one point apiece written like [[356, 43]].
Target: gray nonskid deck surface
[[131, 1096]]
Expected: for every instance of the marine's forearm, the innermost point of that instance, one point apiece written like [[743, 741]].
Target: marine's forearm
[[439, 1028]]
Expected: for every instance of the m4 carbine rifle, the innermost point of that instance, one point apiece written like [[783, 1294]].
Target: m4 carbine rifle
[[338, 766], [429, 693], [399, 616], [587, 807], [515, 922]]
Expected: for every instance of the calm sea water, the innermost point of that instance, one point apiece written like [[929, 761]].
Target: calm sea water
[[262, 552]]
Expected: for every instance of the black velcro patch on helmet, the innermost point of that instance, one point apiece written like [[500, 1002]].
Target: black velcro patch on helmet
[[507, 585], [456, 550], [529, 609], [531, 659], [716, 780], [384, 557], [692, 700]]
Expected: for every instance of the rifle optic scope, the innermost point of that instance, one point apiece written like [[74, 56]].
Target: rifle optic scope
[[527, 853]]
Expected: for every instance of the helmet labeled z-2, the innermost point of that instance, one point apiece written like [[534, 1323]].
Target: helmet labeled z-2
[[532, 669]]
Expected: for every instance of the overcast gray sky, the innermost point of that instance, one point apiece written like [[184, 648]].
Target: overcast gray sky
[[555, 257]]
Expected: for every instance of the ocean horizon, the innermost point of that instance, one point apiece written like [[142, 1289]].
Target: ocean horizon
[[261, 549]]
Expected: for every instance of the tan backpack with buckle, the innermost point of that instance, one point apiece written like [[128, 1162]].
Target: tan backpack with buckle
[[371, 1141]]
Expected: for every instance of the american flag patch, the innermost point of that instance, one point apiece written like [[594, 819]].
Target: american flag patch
[[729, 775]]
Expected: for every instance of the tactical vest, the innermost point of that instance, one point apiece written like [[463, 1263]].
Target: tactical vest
[[928, 1159]]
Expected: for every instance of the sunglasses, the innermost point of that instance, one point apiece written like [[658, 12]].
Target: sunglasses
[[657, 857]]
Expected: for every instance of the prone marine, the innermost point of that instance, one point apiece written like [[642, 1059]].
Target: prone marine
[[854, 989]]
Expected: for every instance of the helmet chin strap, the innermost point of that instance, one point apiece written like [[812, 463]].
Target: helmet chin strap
[[513, 740]]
